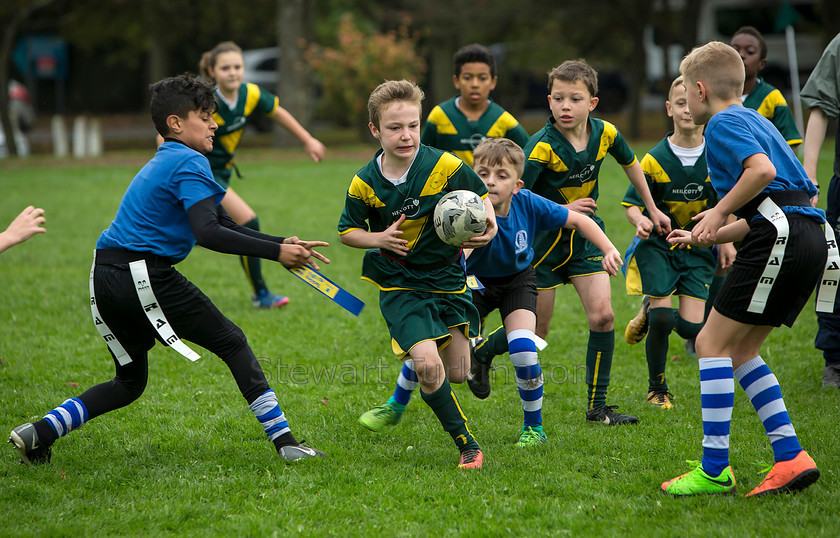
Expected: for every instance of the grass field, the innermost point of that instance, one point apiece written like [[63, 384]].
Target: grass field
[[188, 458]]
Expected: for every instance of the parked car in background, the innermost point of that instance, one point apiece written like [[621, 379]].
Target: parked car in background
[[261, 69]]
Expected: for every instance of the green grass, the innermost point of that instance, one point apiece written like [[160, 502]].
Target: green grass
[[189, 458]]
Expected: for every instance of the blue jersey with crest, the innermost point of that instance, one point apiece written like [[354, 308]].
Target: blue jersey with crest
[[511, 251]]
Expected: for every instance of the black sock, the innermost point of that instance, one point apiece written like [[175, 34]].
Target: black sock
[[285, 440], [253, 266]]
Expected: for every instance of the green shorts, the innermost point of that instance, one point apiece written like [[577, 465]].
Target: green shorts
[[560, 255], [418, 316], [667, 271]]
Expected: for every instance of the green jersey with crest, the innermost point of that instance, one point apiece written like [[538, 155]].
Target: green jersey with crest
[[554, 169], [768, 101], [449, 129], [373, 203], [250, 99], [678, 191]]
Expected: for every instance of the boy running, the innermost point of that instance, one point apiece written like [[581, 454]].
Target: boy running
[[780, 260], [137, 296], [508, 282], [423, 295]]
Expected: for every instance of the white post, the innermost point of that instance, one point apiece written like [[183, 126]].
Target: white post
[[59, 136], [790, 38], [79, 136], [94, 138]]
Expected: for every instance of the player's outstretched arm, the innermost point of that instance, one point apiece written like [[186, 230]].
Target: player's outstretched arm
[[389, 239], [734, 231], [814, 138], [309, 246], [25, 225], [643, 225], [661, 221], [591, 231], [313, 147]]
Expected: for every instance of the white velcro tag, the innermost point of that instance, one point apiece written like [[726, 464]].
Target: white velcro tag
[[114, 345], [149, 302], [777, 218], [827, 290]]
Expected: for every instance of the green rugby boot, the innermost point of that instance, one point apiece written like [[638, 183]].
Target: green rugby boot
[[697, 482], [382, 415], [532, 436]]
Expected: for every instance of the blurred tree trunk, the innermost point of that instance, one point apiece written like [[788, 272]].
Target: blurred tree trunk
[[292, 87], [12, 15], [636, 13]]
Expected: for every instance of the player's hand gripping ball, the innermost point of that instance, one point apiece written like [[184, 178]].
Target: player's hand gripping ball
[[460, 215]]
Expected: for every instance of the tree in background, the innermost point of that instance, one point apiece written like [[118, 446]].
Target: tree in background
[[360, 60]]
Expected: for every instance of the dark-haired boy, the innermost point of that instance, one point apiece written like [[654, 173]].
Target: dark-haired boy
[[758, 94], [459, 124], [137, 296]]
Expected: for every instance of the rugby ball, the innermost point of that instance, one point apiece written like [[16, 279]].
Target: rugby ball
[[460, 215]]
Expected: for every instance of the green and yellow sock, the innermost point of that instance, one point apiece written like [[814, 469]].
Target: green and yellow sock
[[599, 355]]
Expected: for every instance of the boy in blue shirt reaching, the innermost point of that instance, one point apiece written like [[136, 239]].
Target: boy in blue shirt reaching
[[137, 296], [781, 258]]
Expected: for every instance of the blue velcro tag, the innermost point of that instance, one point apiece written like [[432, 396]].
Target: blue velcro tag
[[342, 298]]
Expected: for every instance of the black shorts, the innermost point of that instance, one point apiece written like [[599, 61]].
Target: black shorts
[[800, 271], [517, 292], [189, 312]]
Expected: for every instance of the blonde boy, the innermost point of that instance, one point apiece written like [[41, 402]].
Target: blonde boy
[[678, 179], [562, 164], [423, 294], [781, 258]]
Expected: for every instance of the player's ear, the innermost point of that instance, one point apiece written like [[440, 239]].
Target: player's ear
[[668, 109], [593, 102], [518, 187], [174, 122], [455, 81], [373, 130], [493, 83]]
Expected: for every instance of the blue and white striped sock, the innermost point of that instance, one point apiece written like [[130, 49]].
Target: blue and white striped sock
[[529, 378], [764, 392], [406, 383], [67, 417], [717, 396], [268, 412]]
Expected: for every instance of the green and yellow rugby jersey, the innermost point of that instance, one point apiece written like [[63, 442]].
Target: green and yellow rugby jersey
[[678, 191], [251, 99], [373, 203], [447, 128], [555, 170], [768, 101]]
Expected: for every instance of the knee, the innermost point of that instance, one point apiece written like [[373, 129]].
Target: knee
[[228, 341], [602, 319], [456, 374], [661, 320], [429, 369]]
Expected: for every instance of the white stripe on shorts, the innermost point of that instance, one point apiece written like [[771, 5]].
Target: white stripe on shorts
[[831, 275], [140, 274], [113, 344], [777, 218]]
